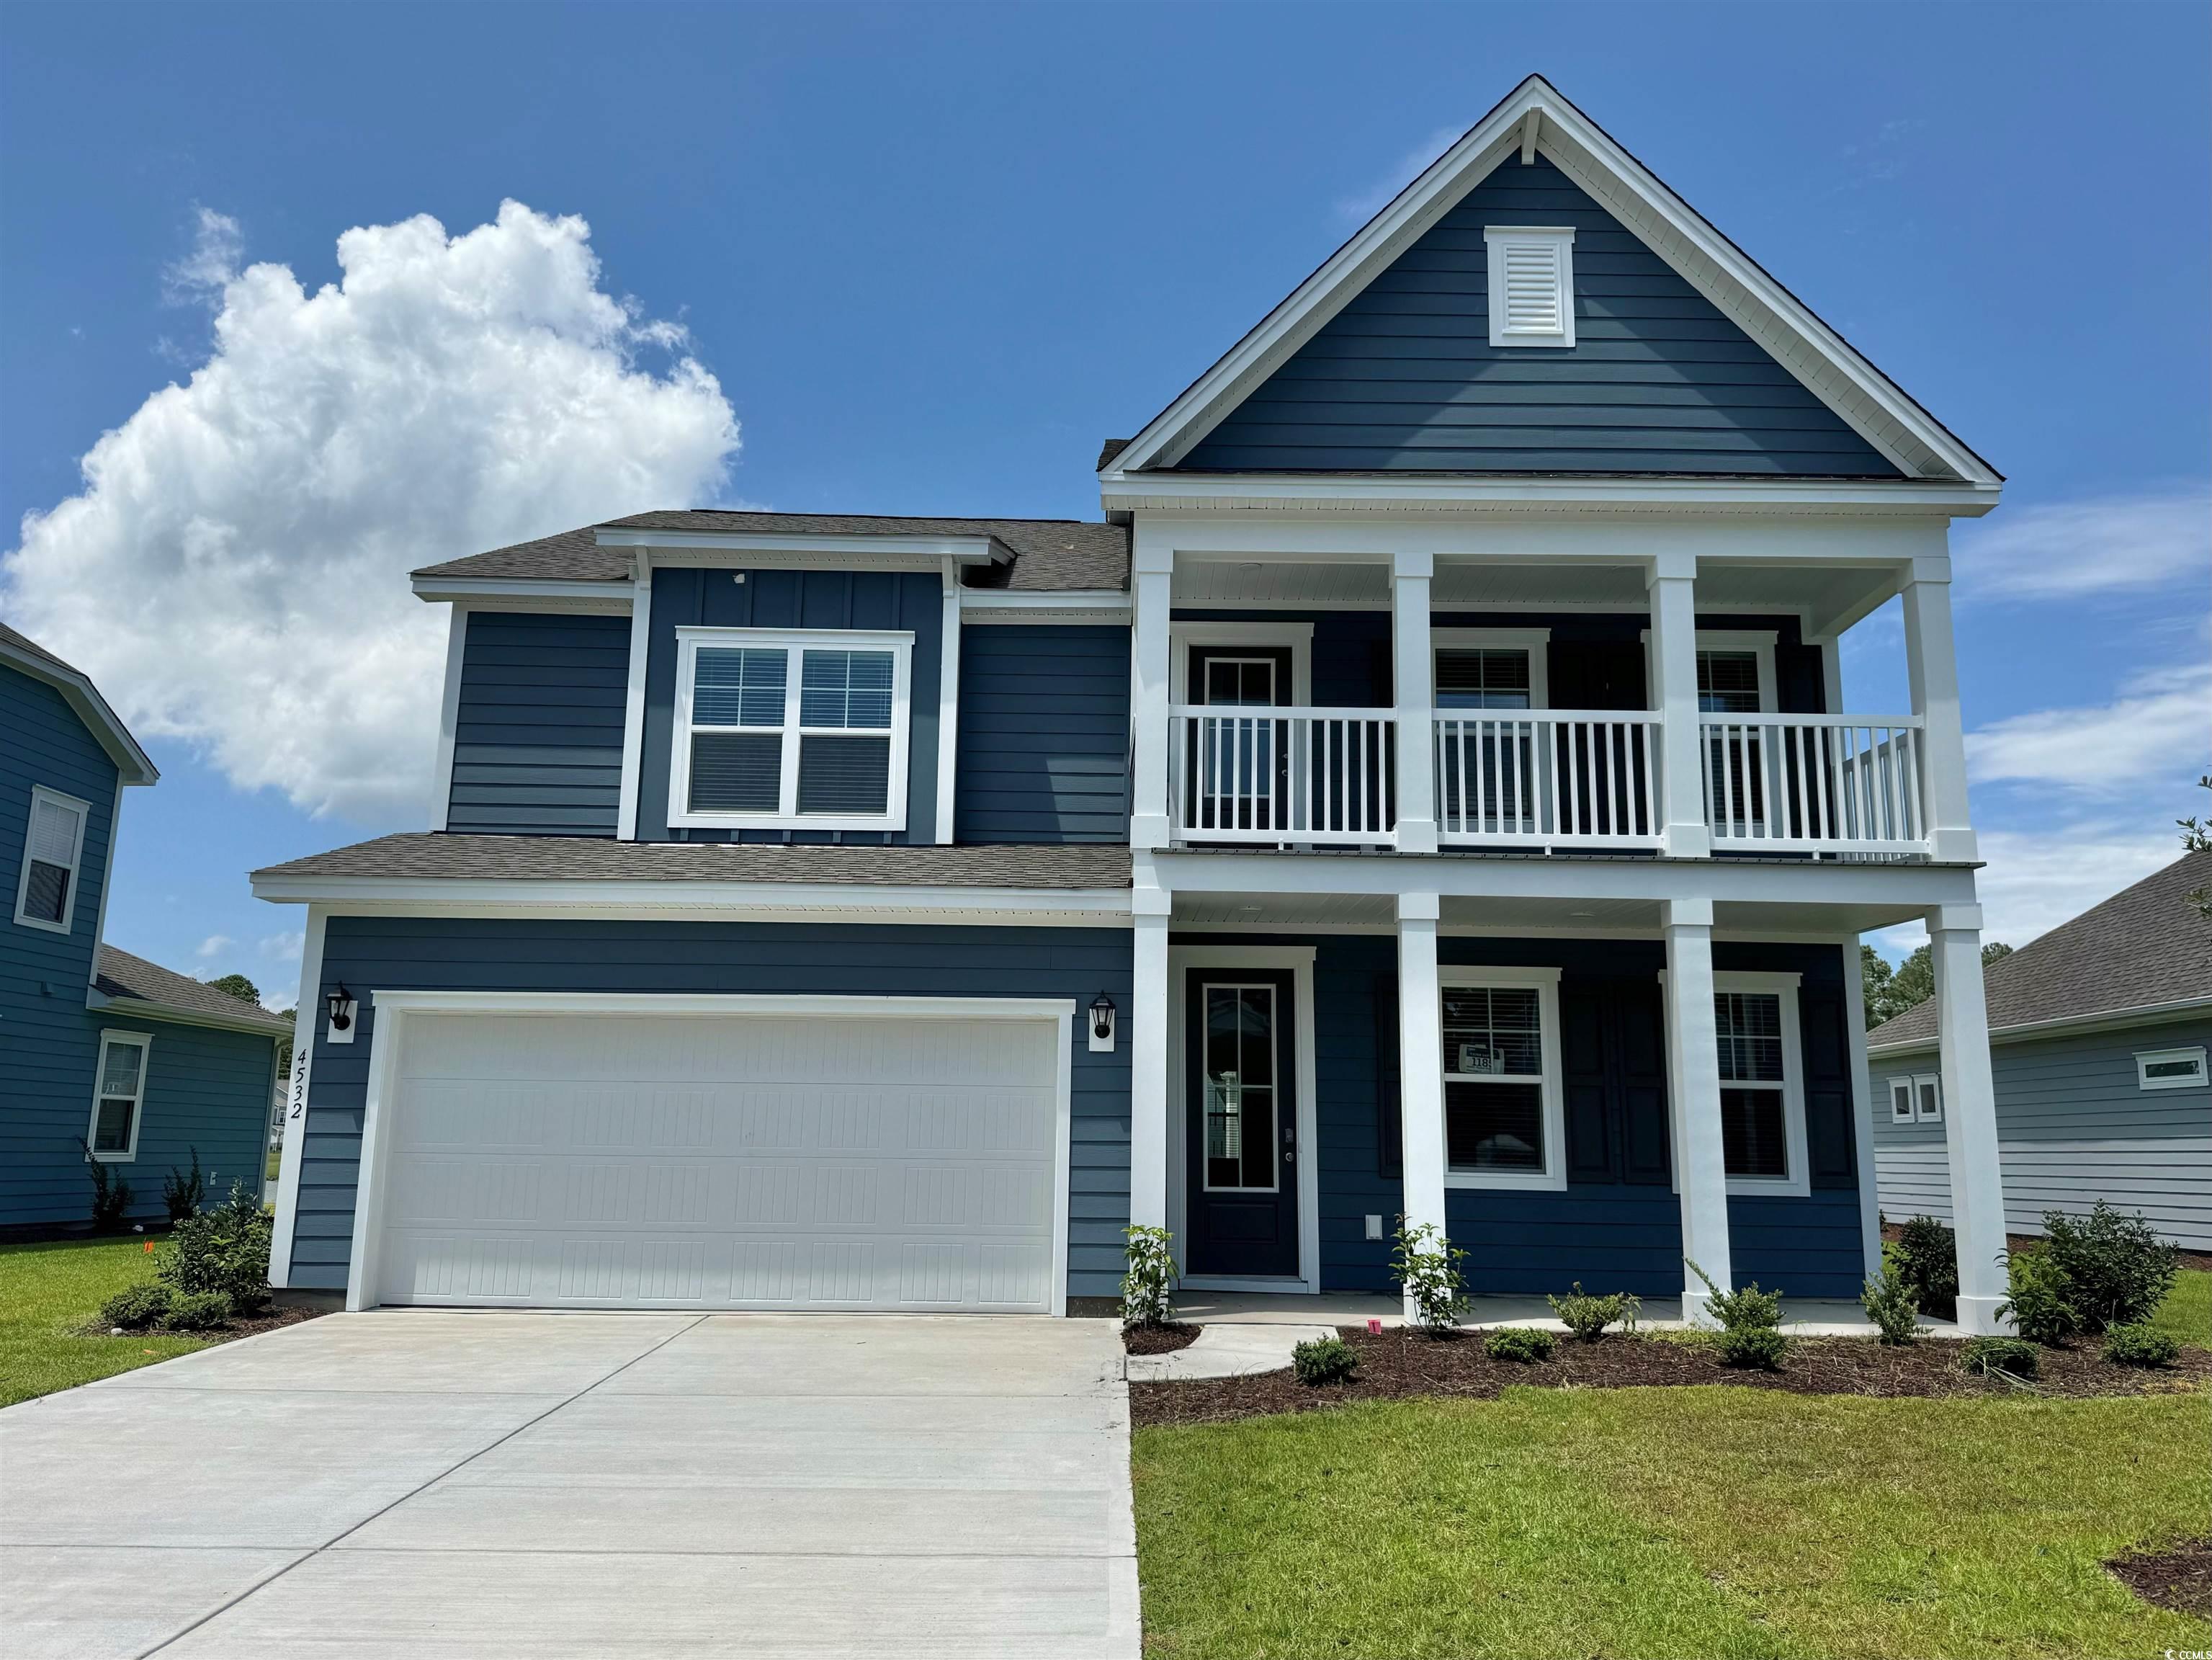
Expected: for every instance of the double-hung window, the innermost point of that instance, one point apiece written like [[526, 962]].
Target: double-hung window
[[784, 728], [53, 853], [119, 1093], [1762, 1082], [1504, 1116]]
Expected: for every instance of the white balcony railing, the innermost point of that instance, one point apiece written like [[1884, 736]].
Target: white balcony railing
[[1550, 778], [1815, 783], [1304, 777]]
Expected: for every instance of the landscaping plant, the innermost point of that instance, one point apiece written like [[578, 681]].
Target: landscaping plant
[[1526, 1344], [111, 1194], [1426, 1265], [224, 1249], [2140, 1344], [1751, 1321], [2118, 1269], [1587, 1316], [1148, 1286], [198, 1311], [1324, 1360], [1925, 1255], [1998, 1357], [136, 1309], [1890, 1304], [2041, 1305], [183, 1192]]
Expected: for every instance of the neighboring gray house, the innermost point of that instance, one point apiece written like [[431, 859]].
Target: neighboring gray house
[[2098, 1034]]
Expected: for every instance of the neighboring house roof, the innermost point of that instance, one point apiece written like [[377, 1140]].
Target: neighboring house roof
[[123, 979], [19, 652], [2144, 949], [1047, 554], [439, 855]]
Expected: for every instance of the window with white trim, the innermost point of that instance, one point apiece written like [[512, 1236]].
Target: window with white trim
[[1504, 1116], [1532, 285], [1918, 1099], [118, 1093], [2170, 1069], [1761, 1082], [788, 728], [53, 852]]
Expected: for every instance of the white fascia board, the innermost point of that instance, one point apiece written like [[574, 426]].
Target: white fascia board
[[132, 763], [806, 547], [139, 1008], [1529, 493], [835, 1006], [527, 594], [988, 605], [2149, 1014], [1768, 538]]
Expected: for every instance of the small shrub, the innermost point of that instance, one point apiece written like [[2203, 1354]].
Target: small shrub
[[1758, 1348], [1998, 1357], [198, 1311], [1890, 1304], [224, 1249], [1925, 1255], [1148, 1286], [1748, 1309], [183, 1192], [2140, 1344], [1587, 1316], [2041, 1305], [1426, 1265], [137, 1308], [1324, 1360], [1523, 1343], [111, 1194], [2118, 1268]]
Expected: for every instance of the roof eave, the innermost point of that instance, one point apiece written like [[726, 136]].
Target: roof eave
[[132, 763], [126, 1006]]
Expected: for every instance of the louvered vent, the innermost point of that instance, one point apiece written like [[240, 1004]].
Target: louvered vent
[[1532, 289], [1532, 285]]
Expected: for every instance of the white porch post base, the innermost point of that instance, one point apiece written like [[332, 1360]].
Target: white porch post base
[[1148, 1063], [1420, 1064], [1694, 1082], [1969, 1115]]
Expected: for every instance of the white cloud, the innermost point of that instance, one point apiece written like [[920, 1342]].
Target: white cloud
[[212, 264], [283, 947], [215, 945], [234, 573], [2150, 737], [2072, 548], [1358, 209]]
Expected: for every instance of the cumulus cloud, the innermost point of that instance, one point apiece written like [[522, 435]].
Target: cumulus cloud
[[2065, 550], [234, 573], [215, 944], [2153, 731]]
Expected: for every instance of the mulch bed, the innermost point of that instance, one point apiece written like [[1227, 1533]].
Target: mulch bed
[[1158, 1339], [2180, 1578], [1397, 1364], [274, 1318]]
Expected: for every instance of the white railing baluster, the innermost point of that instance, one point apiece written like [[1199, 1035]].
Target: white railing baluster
[[1856, 787]]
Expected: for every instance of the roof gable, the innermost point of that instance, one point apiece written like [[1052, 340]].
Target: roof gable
[[26, 656]]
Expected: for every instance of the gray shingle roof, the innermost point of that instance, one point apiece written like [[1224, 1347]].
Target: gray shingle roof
[[2142, 948], [122, 976], [438, 856], [31, 647], [1050, 555]]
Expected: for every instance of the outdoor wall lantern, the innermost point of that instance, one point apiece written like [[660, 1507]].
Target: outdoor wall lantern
[[342, 1007], [1102, 1024]]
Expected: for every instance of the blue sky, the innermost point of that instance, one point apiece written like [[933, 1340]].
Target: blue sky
[[930, 257]]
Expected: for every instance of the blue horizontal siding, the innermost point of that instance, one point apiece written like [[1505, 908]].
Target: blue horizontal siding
[[537, 740], [1044, 734]]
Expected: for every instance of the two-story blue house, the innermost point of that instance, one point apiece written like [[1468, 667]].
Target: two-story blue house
[[1428, 792], [102, 1055]]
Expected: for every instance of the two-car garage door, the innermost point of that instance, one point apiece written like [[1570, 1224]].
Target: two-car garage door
[[800, 1155]]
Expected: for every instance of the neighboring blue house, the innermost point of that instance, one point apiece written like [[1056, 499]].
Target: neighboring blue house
[[100, 1048], [2101, 1029], [1427, 792]]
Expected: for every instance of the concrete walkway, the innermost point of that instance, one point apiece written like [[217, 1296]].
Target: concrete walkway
[[496, 1485]]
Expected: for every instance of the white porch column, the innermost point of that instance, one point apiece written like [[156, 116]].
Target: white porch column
[[1673, 584], [1420, 1062], [1693, 1083], [1414, 677], [1970, 1113], [1152, 572], [1931, 666], [1148, 1062]]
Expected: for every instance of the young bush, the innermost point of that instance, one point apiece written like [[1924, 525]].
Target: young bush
[[2118, 1269], [1748, 1309], [1324, 1360], [1758, 1348], [1587, 1316], [2139, 1345], [1426, 1266], [136, 1309], [1148, 1286], [224, 1249], [2041, 1306], [1998, 1357], [198, 1311], [1522, 1343], [183, 1192], [111, 1194], [1890, 1304], [1925, 1255]]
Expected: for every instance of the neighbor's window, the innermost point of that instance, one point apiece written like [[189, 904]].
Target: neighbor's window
[[1501, 1118], [2170, 1069], [53, 847], [779, 727], [1754, 1114], [1920, 1098], [119, 1091]]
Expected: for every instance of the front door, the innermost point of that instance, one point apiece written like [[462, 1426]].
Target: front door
[[1241, 1203]]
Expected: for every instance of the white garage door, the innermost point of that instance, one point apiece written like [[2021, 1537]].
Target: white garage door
[[816, 1161]]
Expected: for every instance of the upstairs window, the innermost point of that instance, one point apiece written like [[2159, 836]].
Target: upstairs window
[[1532, 285], [781, 728], [1728, 682], [53, 848], [1482, 678]]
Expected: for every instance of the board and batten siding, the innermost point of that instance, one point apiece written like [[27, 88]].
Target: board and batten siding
[[371, 954], [1404, 379], [1044, 734], [2073, 1126], [538, 737]]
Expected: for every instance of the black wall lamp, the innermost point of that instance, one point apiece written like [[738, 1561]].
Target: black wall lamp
[[1102, 1022], [342, 1007]]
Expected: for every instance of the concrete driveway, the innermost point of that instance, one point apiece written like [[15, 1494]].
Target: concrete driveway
[[425, 1483]]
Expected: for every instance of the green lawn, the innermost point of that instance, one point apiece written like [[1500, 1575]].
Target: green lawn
[[47, 1292], [2187, 1310]]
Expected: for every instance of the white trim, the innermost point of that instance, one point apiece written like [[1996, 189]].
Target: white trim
[[307, 1021], [1094, 606], [1862, 1107], [107, 887], [2145, 1059], [1534, 642], [449, 713], [801, 549], [948, 703], [1556, 240], [1798, 1182], [1545, 982], [118, 1037], [40, 794], [1296, 637], [598, 598], [395, 1008], [795, 643], [1917, 1087], [641, 658], [1536, 494], [1299, 960], [133, 765]]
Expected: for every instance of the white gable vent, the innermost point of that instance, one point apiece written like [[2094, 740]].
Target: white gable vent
[[1532, 285]]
